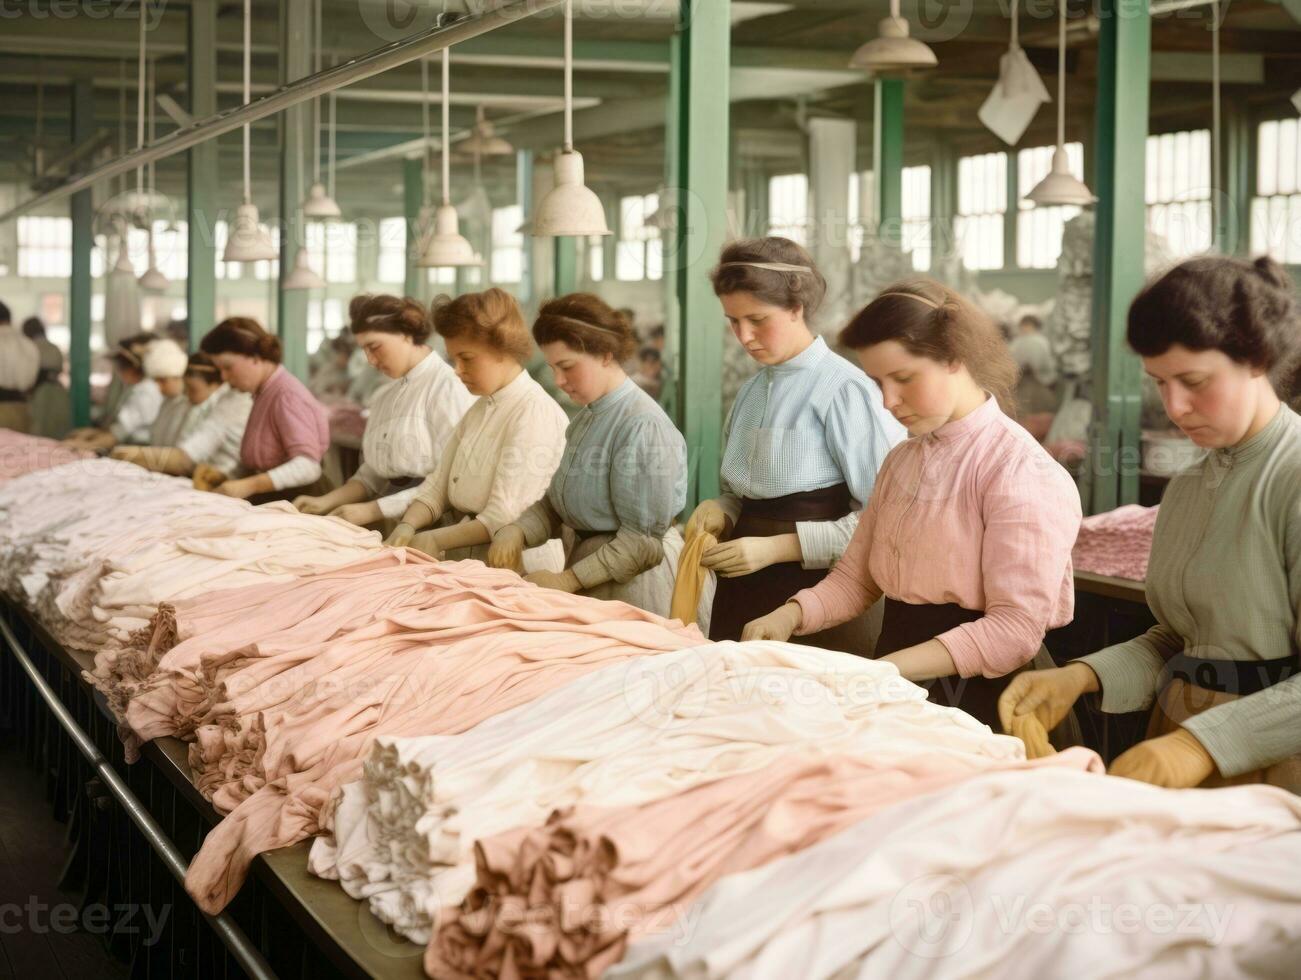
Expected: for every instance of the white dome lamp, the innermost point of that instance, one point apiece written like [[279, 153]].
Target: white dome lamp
[[571, 209], [893, 53], [447, 247], [319, 203], [1061, 187], [484, 141], [302, 276], [152, 279], [248, 240]]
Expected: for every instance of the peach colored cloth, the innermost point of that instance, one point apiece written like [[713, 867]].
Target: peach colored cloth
[[977, 514], [21, 454], [285, 731], [1117, 543], [566, 899]]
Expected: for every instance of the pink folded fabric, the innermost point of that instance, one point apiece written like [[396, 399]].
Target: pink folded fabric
[[282, 732], [21, 454], [564, 900], [1116, 543]]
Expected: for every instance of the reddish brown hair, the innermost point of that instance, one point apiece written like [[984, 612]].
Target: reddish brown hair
[[242, 335], [389, 314], [586, 323], [491, 317], [788, 290]]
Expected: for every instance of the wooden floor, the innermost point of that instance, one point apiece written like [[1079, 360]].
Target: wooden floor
[[39, 931]]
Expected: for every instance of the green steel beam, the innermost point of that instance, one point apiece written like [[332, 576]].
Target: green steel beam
[[700, 115], [524, 195], [566, 267], [295, 124], [413, 197], [1124, 48], [82, 209], [1233, 199], [201, 176], [944, 201], [887, 157], [1011, 219]]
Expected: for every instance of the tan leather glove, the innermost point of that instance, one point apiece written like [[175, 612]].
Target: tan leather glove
[[707, 518], [1175, 761], [208, 477], [1046, 694], [778, 625]]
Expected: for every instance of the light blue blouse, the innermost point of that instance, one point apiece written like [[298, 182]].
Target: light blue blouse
[[807, 424], [624, 471]]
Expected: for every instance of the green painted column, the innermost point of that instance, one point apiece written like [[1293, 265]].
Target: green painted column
[[887, 157], [566, 267], [944, 201], [201, 175], [524, 195], [82, 209], [1124, 46], [700, 117], [1233, 200], [1011, 215], [295, 124], [413, 194]]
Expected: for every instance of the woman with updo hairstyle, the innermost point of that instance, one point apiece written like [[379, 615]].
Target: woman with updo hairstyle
[[411, 418], [623, 476], [210, 432], [803, 442], [288, 430], [133, 402], [1221, 670], [502, 453], [969, 530]]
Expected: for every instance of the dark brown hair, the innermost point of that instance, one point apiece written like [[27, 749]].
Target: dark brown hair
[[491, 317], [204, 367], [1247, 310], [241, 335], [930, 320], [586, 323], [389, 314], [789, 290]]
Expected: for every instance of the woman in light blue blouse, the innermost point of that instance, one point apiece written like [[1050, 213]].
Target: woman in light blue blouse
[[623, 476], [804, 441]]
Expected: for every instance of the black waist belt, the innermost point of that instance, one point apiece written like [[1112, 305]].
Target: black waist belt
[[12, 395], [1239, 677]]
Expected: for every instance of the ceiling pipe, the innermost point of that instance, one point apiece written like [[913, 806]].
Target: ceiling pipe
[[365, 66]]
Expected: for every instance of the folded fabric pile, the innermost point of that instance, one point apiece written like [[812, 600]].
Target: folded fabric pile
[[625, 735], [1020, 874], [284, 731], [347, 419], [1116, 543], [21, 454]]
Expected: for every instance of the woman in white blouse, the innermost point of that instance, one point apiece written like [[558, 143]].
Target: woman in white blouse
[[500, 459], [411, 418], [211, 431], [134, 415]]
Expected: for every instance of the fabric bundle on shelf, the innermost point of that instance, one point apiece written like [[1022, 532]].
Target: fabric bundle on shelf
[[1116, 543]]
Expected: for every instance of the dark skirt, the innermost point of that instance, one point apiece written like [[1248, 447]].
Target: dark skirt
[[739, 600]]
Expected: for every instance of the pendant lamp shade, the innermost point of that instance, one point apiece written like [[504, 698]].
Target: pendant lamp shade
[[319, 205], [152, 280], [893, 52], [570, 209], [484, 141], [121, 298], [1296, 99], [303, 275], [1061, 187], [248, 240], [447, 247]]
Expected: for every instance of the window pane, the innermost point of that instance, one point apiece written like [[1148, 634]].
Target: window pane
[[788, 207], [507, 244], [391, 266]]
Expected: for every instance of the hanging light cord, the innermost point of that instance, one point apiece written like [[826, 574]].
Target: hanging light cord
[[424, 116], [1061, 77], [1215, 102], [140, 99], [248, 42], [1016, 26], [316, 102], [447, 127], [333, 120], [569, 75]]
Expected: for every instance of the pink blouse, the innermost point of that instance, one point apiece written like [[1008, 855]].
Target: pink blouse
[[975, 513], [286, 421]]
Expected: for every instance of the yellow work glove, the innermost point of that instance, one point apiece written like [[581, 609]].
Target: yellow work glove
[[401, 536], [778, 625], [1175, 761], [507, 550], [1030, 730], [208, 477], [1046, 694]]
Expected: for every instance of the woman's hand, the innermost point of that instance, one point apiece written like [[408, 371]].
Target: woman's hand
[[313, 505], [745, 556], [507, 550], [565, 581], [1046, 694], [128, 454], [707, 518], [207, 477], [779, 625], [401, 536], [1175, 761], [242, 489], [359, 514]]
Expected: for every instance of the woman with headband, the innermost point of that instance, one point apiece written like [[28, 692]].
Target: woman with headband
[[142, 399], [623, 476], [288, 430], [502, 453], [968, 534], [804, 440], [210, 433], [410, 420]]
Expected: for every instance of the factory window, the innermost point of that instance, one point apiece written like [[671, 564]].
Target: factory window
[[1179, 190], [982, 204], [391, 254], [171, 250], [441, 276], [332, 248], [596, 258], [862, 220], [44, 246], [325, 318], [916, 214], [639, 254], [507, 244], [1039, 229], [269, 268], [788, 207], [1276, 208]]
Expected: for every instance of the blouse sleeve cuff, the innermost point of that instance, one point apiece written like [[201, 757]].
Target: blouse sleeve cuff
[[1129, 674], [591, 571], [812, 613], [823, 542]]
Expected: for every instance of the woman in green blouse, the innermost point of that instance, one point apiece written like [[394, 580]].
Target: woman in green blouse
[[1221, 670]]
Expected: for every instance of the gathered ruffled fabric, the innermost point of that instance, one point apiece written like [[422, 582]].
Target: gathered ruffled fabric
[[1116, 543]]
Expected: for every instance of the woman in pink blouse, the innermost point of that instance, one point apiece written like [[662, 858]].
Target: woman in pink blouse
[[968, 532]]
